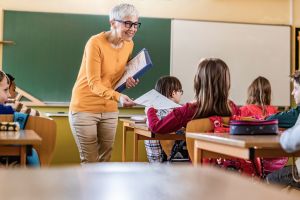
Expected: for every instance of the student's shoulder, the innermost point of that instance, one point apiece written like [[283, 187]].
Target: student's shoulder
[[187, 109], [189, 105], [247, 106], [235, 110], [272, 109], [244, 108], [245, 111], [4, 109]]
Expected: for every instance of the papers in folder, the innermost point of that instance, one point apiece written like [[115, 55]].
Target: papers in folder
[[139, 118], [157, 100], [136, 67]]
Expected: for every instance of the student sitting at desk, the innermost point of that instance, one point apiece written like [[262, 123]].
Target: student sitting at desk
[[32, 160], [258, 106], [290, 142], [259, 100], [16, 105], [290, 139], [170, 87], [211, 86], [288, 118]]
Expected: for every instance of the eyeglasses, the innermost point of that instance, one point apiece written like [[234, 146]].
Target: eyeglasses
[[129, 24], [181, 91]]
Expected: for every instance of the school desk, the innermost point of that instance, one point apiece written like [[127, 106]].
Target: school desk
[[141, 132], [240, 146], [134, 181], [18, 143]]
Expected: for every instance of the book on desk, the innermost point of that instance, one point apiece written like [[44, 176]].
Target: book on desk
[[139, 118]]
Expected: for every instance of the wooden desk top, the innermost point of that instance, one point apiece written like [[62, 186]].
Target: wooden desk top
[[246, 141], [136, 124], [19, 137], [134, 182], [142, 129], [133, 122]]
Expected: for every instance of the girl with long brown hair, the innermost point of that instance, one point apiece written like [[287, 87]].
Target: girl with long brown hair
[[211, 86]]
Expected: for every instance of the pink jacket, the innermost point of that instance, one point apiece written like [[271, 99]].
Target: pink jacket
[[256, 111], [269, 164]]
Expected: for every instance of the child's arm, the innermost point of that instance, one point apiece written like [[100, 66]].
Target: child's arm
[[286, 119], [177, 119]]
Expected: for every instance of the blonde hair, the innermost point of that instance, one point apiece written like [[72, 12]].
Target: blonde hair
[[259, 93]]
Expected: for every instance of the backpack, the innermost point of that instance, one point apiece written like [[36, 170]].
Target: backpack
[[252, 168]]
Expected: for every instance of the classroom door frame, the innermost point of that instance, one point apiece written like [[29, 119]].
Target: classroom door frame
[[297, 48]]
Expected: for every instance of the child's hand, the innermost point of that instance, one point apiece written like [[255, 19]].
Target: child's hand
[[147, 108], [131, 82]]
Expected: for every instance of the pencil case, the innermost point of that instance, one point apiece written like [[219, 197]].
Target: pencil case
[[244, 127]]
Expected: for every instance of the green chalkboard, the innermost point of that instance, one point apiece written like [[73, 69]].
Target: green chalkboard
[[46, 57]]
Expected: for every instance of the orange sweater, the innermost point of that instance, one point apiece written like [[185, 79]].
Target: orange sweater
[[101, 68]]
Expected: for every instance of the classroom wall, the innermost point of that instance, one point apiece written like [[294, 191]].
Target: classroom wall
[[261, 11], [246, 11], [254, 11], [296, 14]]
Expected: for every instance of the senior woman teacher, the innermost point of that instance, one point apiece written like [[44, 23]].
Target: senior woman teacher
[[93, 114]]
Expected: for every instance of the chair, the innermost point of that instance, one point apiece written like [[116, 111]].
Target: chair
[[46, 129], [167, 146], [199, 126]]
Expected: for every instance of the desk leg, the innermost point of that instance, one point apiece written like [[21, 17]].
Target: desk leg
[[197, 154], [23, 156], [124, 144], [135, 146]]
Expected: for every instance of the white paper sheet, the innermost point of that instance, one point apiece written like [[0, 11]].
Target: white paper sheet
[[139, 118], [157, 100]]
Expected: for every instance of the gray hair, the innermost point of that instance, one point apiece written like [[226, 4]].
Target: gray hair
[[121, 11]]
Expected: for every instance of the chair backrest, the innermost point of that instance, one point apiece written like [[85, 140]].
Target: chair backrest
[[199, 126], [46, 129]]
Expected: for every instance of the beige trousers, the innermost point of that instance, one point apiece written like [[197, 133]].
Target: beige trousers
[[94, 134]]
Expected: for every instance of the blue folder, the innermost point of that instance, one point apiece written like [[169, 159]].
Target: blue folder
[[139, 73]]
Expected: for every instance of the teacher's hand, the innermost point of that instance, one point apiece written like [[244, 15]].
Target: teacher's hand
[[131, 82], [125, 101]]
